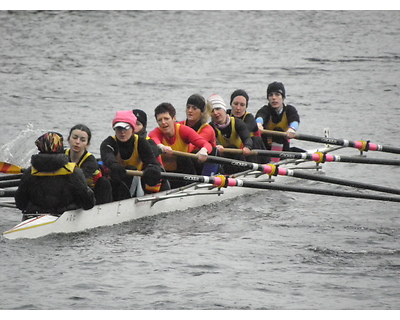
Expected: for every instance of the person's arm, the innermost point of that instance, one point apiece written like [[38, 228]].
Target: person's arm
[[293, 119], [21, 195], [151, 166], [108, 151], [157, 136], [83, 195], [89, 166], [190, 136], [146, 152], [251, 123], [208, 134], [244, 134], [261, 117]]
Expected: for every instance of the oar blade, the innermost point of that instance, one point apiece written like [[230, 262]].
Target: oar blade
[[9, 168]]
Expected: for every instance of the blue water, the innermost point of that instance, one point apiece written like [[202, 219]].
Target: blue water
[[270, 250]]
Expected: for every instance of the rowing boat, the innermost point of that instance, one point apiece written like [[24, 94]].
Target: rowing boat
[[194, 195]]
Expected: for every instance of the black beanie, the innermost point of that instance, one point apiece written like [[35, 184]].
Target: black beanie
[[276, 87], [240, 92], [198, 101], [141, 116]]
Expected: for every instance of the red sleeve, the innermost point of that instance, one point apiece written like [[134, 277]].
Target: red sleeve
[[190, 136], [208, 134], [156, 135]]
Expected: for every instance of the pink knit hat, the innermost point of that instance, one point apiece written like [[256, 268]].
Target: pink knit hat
[[123, 119]]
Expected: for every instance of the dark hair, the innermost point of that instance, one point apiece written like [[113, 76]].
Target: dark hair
[[163, 108], [239, 92], [81, 127], [198, 101]]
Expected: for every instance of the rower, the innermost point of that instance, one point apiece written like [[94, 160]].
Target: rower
[[172, 136], [79, 140], [231, 133], [279, 117], [52, 184], [128, 151], [239, 104], [198, 112]]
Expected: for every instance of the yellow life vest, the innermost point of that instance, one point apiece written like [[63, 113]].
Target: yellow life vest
[[65, 170], [134, 159], [169, 161], [91, 181], [283, 124], [233, 141]]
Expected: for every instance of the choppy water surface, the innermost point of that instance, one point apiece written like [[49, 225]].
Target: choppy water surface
[[270, 250]]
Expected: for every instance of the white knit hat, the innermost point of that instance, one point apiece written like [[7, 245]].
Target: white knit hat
[[217, 102]]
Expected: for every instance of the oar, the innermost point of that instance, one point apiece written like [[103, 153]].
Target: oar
[[7, 204], [360, 145], [319, 157], [272, 169], [10, 177], [6, 167], [220, 181], [7, 184], [7, 193]]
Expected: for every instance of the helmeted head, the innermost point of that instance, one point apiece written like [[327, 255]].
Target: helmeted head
[[124, 119], [50, 142], [277, 87]]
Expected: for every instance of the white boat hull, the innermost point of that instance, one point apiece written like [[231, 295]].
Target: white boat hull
[[131, 209], [121, 211]]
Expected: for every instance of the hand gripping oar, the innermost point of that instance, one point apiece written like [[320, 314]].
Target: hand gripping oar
[[360, 145], [10, 168], [221, 181], [319, 157], [272, 169]]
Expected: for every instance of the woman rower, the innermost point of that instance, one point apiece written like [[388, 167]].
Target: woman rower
[[277, 116], [171, 136], [239, 104], [141, 130], [127, 150], [52, 184], [197, 115], [79, 140], [230, 133]]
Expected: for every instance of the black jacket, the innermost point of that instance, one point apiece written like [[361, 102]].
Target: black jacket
[[53, 193]]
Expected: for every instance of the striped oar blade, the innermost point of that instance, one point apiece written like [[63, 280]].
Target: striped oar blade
[[9, 168]]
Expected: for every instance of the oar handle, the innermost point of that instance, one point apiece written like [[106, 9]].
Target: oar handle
[[184, 154], [276, 133]]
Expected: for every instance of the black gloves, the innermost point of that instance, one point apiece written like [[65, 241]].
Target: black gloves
[[151, 175], [117, 172]]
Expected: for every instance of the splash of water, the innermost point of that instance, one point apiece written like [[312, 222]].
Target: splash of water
[[20, 150]]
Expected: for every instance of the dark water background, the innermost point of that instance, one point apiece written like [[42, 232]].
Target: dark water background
[[270, 250]]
